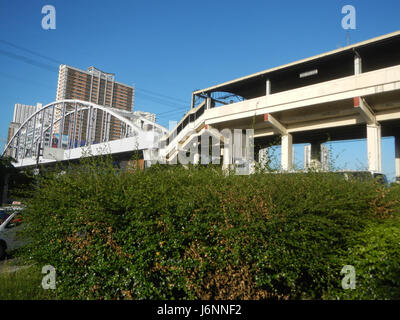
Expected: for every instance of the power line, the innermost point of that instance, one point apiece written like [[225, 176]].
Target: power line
[[158, 100], [30, 51], [175, 110], [9, 76], [180, 115], [47, 67], [28, 60], [146, 94], [161, 95]]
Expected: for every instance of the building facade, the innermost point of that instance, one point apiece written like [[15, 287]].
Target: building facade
[[99, 87], [23, 112]]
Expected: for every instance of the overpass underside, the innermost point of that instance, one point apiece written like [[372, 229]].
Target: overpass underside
[[332, 121]]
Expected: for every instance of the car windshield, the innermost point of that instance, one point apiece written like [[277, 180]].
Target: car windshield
[[3, 216]]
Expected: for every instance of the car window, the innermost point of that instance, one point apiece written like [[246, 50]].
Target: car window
[[3, 216]]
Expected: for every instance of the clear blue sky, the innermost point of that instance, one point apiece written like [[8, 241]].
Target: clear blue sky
[[171, 48]]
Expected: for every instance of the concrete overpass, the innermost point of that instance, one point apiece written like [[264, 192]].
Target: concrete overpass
[[348, 93]]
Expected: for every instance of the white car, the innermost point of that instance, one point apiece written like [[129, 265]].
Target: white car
[[8, 235]]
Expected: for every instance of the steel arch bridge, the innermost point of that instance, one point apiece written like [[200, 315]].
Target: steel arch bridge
[[69, 129]]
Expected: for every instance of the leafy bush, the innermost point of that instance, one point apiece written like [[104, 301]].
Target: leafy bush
[[176, 233], [376, 256]]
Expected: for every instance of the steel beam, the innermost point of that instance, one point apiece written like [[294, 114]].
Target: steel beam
[[25, 138], [41, 140], [17, 147], [89, 120], [73, 138], [33, 135], [52, 127], [61, 126], [80, 127]]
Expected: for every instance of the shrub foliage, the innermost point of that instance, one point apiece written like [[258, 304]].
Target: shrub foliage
[[199, 233]]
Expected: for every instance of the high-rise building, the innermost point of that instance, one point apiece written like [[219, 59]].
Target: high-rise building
[[22, 113], [12, 129], [98, 87]]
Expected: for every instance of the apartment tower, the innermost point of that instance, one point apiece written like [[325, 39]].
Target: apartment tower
[[99, 87]]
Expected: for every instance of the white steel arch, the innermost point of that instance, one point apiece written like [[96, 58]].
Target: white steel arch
[[82, 122]]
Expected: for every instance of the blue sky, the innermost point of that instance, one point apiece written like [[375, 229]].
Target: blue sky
[[167, 49]]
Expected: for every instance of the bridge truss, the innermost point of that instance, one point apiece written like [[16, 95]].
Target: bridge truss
[[74, 124]]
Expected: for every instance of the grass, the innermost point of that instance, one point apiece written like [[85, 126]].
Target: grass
[[22, 282]]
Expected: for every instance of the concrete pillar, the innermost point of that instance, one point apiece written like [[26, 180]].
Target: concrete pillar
[[208, 103], [227, 155], [357, 64], [397, 156], [196, 156], [268, 87], [287, 152], [228, 148], [374, 148]]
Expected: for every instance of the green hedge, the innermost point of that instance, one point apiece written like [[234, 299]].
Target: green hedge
[[195, 233]]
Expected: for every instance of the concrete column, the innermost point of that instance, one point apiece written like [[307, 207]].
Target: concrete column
[[227, 155], [287, 152], [374, 148], [397, 155], [268, 87], [228, 148], [357, 64], [196, 156], [208, 103]]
